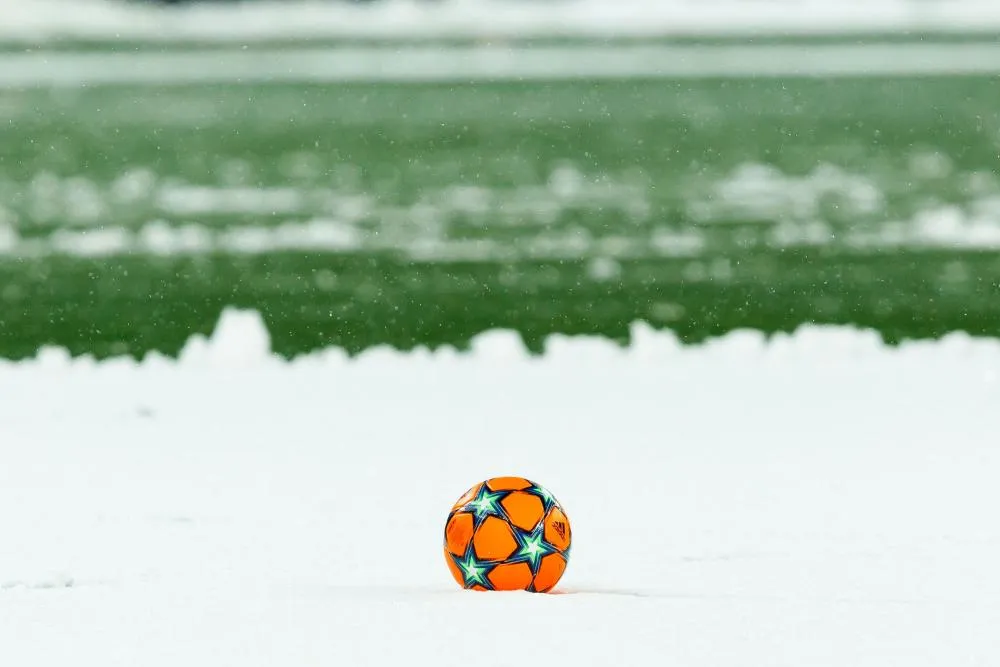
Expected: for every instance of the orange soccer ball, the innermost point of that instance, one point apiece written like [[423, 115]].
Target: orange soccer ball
[[507, 534]]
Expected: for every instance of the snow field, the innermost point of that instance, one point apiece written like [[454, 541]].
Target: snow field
[[34, 20], [816, 500]]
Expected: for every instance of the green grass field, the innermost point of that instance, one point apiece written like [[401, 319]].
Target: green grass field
[[421, 213]]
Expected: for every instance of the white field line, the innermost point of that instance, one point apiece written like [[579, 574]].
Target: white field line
[[453, 64]]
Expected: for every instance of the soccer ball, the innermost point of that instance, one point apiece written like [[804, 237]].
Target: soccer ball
[[507, 534]]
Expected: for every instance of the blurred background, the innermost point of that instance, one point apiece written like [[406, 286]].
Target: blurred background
[[414, 173]]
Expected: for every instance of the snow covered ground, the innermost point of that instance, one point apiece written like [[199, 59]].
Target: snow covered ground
[[818, 500], [458, 65], [269, 19]]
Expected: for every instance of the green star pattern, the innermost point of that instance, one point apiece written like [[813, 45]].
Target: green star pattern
[[473, 570], [486, 503], [547, 498], [532, 547]]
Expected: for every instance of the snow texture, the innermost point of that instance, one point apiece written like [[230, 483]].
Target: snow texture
[[818, 499], [269, 19]]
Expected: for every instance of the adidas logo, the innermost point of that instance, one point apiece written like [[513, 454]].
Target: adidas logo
[[560, 527]]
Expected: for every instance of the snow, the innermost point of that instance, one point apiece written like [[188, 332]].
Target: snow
[[461, 64], [818, 499], [177, 218], [33, 20]]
